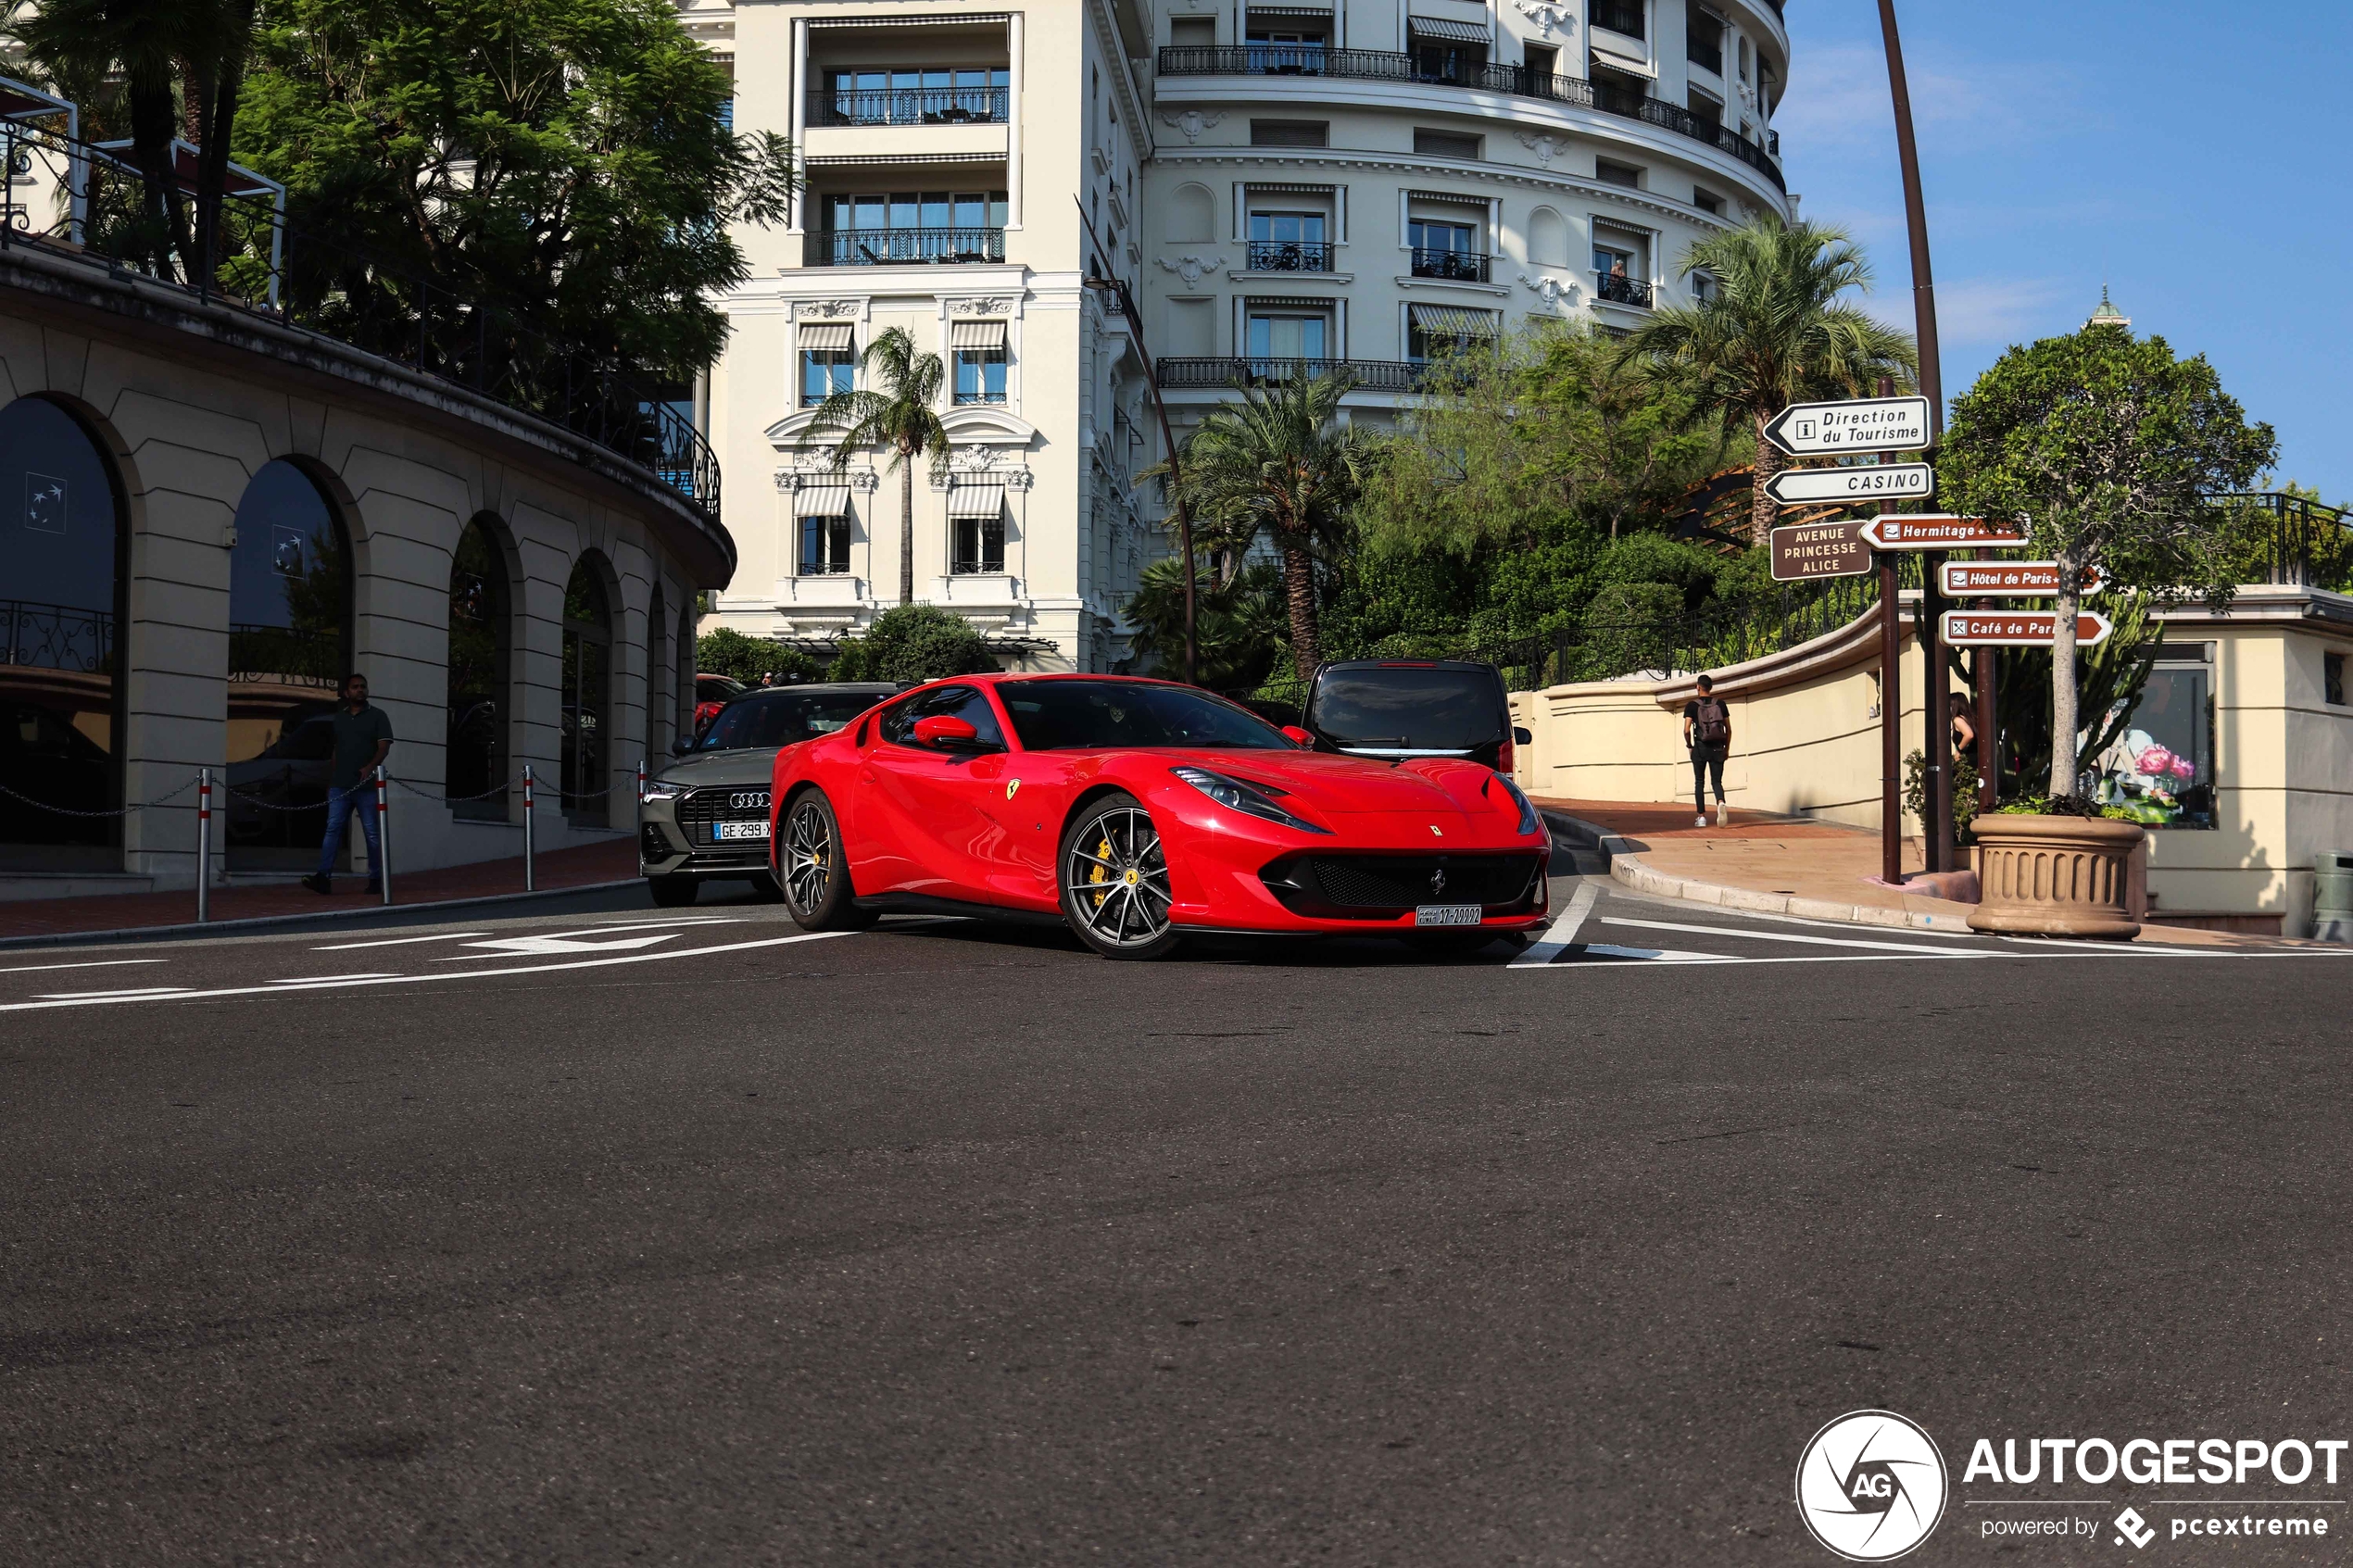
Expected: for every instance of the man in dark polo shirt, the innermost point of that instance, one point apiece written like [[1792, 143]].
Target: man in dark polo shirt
[[363, 736]]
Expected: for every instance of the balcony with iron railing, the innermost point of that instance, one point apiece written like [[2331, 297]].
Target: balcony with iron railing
[[1452, 266], [1289, 256], [908, 106], [906, 247], [1364, 375], [1619, 289], [1374, 65]]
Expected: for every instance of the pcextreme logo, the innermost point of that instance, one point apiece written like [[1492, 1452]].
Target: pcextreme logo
[[1870, 1486]]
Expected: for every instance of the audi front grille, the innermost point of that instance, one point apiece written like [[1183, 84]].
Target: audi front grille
[[699, 810]]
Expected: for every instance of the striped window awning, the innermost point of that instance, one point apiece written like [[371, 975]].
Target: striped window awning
[[1446, 31], [824, 334], [975, 335], [976, 499], [820, 500], [1454, 321], [1629, 64], [1277, 13]]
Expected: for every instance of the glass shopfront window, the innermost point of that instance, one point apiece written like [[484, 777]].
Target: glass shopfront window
[[2161, 767]]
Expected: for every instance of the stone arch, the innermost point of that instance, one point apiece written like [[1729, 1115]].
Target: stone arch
[[292, 613], [64, 633], [1547, 238], [660, 672], [485, 569], [1192, 215], [591, 632]]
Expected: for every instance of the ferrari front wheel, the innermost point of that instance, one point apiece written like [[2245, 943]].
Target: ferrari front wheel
[[1114, 880], [809, 867]]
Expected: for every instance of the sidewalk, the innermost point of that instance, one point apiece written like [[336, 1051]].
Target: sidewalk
[[590, 865], [1776, 865]]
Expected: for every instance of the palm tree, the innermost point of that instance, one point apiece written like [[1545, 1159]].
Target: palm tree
[[1773, 333], [1279, 462], [899, 414]]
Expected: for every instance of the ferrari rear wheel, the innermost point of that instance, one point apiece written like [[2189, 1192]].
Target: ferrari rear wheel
[[1114, 880], [809, 867]]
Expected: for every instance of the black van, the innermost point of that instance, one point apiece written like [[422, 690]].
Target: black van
[[1395, 708]]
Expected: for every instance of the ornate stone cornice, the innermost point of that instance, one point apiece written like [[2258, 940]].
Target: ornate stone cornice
[[1192, 268]]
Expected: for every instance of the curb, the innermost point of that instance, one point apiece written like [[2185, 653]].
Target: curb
[[256, 922], [1627, 867]]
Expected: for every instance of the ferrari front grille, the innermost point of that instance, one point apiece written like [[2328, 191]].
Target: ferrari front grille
[[1382, 886]]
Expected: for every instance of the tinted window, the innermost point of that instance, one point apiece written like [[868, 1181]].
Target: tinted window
[[781, 721], [1408, 709], [968, 703], [1097, 715]]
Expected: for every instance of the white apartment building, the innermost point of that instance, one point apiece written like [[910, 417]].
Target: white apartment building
[[1350, 183]]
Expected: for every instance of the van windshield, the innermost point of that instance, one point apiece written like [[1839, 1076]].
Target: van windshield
[[1407, 709]]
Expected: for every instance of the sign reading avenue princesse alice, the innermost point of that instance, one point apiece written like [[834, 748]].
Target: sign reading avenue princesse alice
[[1820, 549], [1940, 531], [2023, 578]]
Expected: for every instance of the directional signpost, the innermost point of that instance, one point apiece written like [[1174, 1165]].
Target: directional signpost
[[1941, 530], [2018, 628], [2010, 578], [1810, 550], [1863, 424], [1798, 486]]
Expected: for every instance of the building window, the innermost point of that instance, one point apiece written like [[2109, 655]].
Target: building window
[[1703, 40], [1272, 339], [1447, 51], [1621, 275], [978, 349], [1445, 143], [2160, 768], [1619, 16], [829, 363], [2332, 678], [1624, 174], [1433, 330], [901, 226], [1707, 201], [481, 654], [915, 95], [1289, 50], [824, 546], [1543, 64], [1445, 250], [585, 742], [1705, 288], [977, 518], [1288, 241], [1290, 133]]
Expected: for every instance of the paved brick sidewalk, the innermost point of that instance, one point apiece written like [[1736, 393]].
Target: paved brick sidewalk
[[582, 867]]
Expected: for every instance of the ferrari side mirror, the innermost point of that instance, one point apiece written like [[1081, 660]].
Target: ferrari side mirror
[[945, 731], [1301, 736]]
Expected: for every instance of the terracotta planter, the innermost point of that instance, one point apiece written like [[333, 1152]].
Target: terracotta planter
[[2056, 876]]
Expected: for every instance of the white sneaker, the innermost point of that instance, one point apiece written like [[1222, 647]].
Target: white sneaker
[[1723, 816], [1703, 820]]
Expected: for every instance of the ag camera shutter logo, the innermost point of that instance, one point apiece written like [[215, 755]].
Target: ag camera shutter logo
[[1871, 1485]]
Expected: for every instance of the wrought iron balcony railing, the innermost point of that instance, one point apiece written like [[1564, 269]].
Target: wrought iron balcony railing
[[1620, 290], [908, 106], [1373, 65], [1289, 255], [1368, 375], [1457, 266], [893, 247]]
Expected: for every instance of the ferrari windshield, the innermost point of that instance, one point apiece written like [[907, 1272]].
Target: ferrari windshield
[[1107, 715], [782, 719]]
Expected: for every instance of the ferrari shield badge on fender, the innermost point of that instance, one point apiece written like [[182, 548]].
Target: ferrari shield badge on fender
[[1012, 787], [1434, 833]]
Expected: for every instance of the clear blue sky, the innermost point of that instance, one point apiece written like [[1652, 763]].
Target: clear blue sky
[[2193, 156]]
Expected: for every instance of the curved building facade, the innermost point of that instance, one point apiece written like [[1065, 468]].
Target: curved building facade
[[1358, 182]]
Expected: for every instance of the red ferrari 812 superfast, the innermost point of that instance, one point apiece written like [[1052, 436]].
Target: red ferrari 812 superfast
[[1139, 810]]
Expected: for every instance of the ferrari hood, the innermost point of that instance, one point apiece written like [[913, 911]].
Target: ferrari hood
[[1329, 783]]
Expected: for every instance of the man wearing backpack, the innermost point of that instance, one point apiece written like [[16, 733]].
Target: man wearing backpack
[[1707, 731]]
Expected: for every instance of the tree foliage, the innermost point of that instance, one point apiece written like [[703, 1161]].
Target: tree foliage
[[567, 160], [913, 643], [2118, 455], [725, 651], [1773, 333], [1239, 625]]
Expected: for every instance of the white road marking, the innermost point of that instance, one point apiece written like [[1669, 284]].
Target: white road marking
[[132, 994], [1563, 931], [332, 979], [95, 999], [528, 946], [399, 941], [1913, 947], [93, 964], [1656, 955]]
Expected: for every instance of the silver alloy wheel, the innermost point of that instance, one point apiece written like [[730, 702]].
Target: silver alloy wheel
[[809, 856], [1118, 879]]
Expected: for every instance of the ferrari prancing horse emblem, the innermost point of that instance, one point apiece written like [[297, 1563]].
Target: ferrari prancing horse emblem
[[1011, 786], [1434, 833]]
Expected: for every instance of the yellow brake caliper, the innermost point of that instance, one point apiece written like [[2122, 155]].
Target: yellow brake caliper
[[1099, 872]]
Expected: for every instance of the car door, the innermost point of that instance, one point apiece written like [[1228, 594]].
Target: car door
[[927, 801]]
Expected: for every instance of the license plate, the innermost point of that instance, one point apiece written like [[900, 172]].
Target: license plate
[[722, 831], [1447, 914]]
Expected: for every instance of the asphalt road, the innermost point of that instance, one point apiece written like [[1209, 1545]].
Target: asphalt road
[[602, 1234]]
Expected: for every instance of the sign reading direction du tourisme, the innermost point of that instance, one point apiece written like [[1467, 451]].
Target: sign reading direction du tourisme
[[1860, 425]]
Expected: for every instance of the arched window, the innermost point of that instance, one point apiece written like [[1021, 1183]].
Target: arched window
[[289, 647], [658, 676], [62, 620], [1547, 238], [587, 730], [480, 642]]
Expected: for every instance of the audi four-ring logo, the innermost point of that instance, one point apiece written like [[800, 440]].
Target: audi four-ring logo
[[745, 799]]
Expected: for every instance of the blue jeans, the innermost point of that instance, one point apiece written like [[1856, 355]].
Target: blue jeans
[[340, 804]]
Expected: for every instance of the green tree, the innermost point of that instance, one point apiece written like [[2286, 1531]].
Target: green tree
[[1773, 333], [568, 161], [900, 412], [913, 643], [723, 650], [1239, 628], [1279, 463], [2118, 455]]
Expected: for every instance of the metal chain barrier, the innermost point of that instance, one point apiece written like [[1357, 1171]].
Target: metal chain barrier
[[117, 811]]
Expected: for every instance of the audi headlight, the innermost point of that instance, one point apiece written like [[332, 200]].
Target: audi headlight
[[1249, 799], [1528, 821], [664, 794]]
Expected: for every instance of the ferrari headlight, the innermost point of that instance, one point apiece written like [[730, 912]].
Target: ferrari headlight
[[1235, 795], [1528, 821]]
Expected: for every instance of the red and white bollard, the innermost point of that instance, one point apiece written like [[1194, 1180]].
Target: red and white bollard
[[530, 825], [383, 835], [204, 845]]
